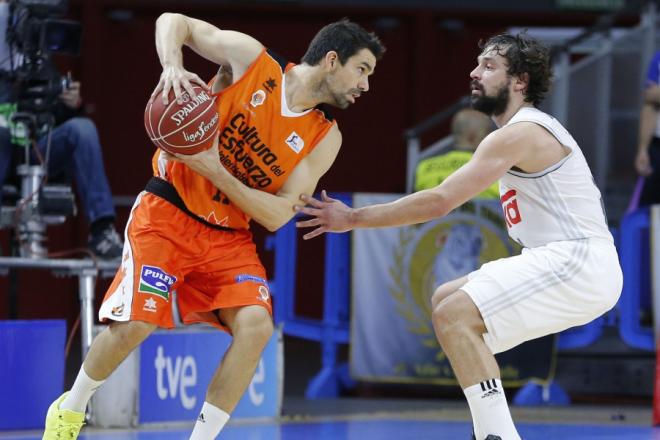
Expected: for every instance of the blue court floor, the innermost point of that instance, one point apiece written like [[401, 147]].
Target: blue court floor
[[373, 429], [403, 419]]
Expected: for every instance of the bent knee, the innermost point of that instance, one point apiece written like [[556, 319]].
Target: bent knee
[[253, 322], [82, 126], [440, 294], [446, 290], [457, 314], [445, 314], [131, 333]]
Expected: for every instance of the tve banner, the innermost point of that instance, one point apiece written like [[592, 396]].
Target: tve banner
[[177, 366]]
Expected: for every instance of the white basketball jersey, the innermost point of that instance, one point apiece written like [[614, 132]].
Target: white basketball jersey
[[559, 203]]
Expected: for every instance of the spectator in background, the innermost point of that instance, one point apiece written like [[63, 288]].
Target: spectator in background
[[469, 127], [647, 162], [75, 149]]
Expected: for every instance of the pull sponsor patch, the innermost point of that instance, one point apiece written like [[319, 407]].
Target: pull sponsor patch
[[156, 281]]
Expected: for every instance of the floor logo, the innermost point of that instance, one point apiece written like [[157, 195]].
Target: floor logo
[[156, 281]]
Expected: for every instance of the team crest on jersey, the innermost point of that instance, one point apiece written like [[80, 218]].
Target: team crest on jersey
[[258, 98], [156, 281], [295, 142]]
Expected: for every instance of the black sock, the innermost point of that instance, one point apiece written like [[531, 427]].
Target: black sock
[[101, 224]]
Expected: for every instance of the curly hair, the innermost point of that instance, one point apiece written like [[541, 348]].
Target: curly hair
[[344, 37], [524, 54]]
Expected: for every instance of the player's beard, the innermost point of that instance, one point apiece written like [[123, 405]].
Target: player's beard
[[492, 105], [337, 97], [340, 100]]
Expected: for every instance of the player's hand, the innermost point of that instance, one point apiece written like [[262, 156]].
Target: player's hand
[[205, 163], [179, 79], [71, 97], [330, 215], [643, 163]]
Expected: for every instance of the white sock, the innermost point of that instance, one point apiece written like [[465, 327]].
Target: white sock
[[490, 412], [474, 420], [83, 389], [210, 422]]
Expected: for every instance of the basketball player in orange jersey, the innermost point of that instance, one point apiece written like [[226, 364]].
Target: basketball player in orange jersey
[[188, 231], [568, 273]]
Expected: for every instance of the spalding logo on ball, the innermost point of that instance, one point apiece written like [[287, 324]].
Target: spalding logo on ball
[[186, 128]]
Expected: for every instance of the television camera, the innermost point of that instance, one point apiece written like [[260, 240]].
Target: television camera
[[35, 33]]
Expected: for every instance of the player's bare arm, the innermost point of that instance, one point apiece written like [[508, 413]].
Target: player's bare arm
[[652, 95], [517, 145], [222, 47], [270, 210], [647, 121]]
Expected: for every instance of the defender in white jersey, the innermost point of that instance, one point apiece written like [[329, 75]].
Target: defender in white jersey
[[568, 273]]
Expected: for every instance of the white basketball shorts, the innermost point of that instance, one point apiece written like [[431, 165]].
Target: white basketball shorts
[[545, 290]]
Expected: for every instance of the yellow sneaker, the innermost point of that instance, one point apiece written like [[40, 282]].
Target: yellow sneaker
[[62, 424]]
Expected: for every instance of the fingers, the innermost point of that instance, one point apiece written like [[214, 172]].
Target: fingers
[[189, 89], [308, 211], [179, 81], [308, 223], [176, 85], [311, 201], [315, 233], [167, 85], [197, 80], [326, 198]]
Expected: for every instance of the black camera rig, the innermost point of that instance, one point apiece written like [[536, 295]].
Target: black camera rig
[[34, 33]]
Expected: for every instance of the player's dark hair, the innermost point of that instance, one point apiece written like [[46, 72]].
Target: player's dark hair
[[344, 37], [524, 54]]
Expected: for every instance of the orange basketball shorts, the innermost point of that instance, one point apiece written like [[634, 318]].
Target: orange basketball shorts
[[166, 250]]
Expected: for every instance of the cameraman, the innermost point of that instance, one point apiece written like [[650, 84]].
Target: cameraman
[[75, 148]]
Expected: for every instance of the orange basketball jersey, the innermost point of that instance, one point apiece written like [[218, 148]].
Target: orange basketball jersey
[[260, 142]]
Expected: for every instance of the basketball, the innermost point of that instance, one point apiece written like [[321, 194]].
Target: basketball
[[186, 128]]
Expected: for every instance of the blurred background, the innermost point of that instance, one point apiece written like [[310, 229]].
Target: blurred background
[[601, 51]]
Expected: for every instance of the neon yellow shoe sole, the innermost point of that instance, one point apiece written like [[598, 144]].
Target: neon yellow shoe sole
[[62, 424]]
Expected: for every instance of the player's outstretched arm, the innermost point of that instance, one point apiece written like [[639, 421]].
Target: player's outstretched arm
[[223, 47], [647, 122], [495, 155], [270, 210]]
